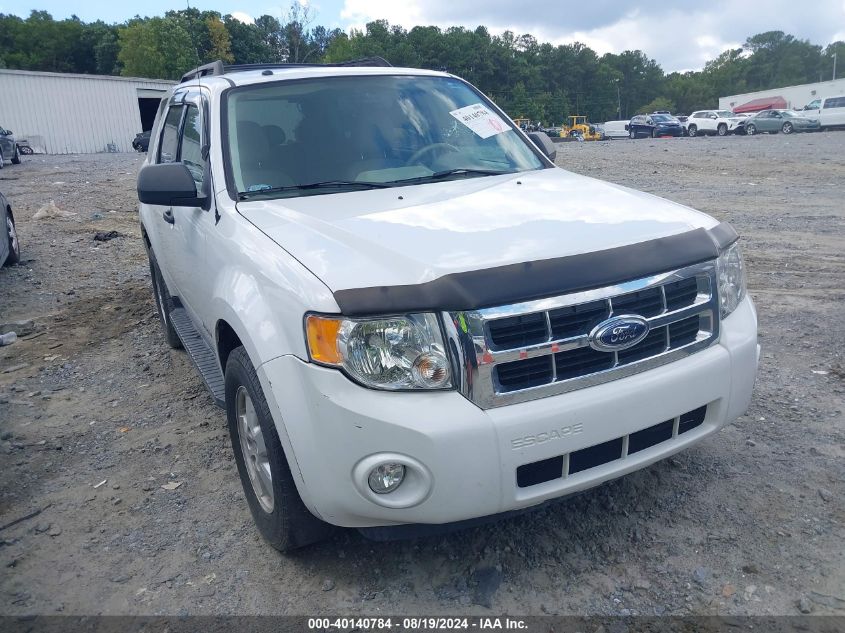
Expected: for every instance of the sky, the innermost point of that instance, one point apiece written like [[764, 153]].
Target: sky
[[679, 34]]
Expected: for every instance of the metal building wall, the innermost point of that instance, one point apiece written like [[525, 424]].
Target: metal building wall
[[795, 96], [81, 114]]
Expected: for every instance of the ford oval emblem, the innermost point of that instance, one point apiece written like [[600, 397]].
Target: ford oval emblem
[[618, 333]]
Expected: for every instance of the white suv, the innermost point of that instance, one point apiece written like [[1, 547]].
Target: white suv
[[411, 316], [709, 122]]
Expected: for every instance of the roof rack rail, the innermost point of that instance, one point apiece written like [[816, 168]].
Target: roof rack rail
[[214, 68], [217, 67]]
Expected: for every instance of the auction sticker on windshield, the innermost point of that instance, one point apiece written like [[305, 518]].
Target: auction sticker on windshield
[[480, 120]]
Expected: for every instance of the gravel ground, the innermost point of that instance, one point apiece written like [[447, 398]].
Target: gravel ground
[[97, 414]]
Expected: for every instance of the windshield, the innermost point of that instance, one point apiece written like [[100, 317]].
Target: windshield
[[725, 114], [662, 117], [352, 132]]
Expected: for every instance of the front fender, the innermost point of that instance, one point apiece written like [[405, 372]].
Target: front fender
[[263, 296]]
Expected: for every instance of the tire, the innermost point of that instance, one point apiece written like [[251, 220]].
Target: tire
[[14, 255], [692, 130], [722, 130], [654, 133], [164, 304], [788, 128], [750, 129], [275, 504], [632, 134], [2, 161], [16, 159]]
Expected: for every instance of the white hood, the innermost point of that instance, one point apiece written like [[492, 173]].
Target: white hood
[[414, 234]]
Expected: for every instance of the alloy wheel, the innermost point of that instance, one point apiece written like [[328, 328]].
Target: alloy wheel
[[13, 234], [254, 449]]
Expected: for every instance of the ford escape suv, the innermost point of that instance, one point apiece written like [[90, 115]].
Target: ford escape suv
[[411, 316]]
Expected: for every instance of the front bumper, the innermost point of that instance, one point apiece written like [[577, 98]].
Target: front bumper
[[467, 457]]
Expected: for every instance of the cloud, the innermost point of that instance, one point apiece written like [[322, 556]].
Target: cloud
[[240, 16], [683, 35]]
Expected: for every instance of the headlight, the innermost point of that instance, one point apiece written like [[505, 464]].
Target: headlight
[[391, 353], [731, 271]]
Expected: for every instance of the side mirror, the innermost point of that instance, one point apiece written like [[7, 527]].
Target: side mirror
[[627, 127], [168, 184], [544, 143]]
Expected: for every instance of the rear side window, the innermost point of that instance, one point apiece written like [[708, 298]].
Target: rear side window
[[169, 147], [834, 102], [191, 155]]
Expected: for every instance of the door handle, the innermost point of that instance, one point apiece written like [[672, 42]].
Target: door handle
[[168, 216]]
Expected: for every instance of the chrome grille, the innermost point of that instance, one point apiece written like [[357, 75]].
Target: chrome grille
[[530, 350]]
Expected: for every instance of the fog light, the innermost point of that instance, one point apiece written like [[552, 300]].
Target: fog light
[[386, 478]]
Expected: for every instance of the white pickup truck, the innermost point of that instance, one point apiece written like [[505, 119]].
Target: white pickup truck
[[411, 316]]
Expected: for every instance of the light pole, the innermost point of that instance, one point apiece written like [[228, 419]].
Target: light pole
[[619, 99], [834, 66]]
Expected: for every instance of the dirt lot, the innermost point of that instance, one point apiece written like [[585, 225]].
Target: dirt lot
[[750, 522]]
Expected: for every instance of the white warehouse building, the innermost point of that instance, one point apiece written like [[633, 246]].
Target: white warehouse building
[[790, 97], [62, 113]]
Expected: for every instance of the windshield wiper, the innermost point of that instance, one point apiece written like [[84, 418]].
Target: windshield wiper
[[327, 184], [460, 171]]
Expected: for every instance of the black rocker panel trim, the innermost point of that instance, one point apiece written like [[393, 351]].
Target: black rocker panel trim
[[528, 281]]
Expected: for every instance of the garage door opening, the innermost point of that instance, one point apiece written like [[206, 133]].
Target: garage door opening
[[148, 107]]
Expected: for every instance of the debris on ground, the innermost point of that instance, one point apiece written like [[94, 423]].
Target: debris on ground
[[50, 210], [8, 338], [105, 236]]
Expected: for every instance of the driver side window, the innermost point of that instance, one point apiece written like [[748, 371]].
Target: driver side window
[[169, 147], [191, 152]]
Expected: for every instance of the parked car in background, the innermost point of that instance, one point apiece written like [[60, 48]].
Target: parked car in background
[[774, 121], [710, 122], [832, 112], [616, 129], [10, 248], [654, 125], [9, 152], [142, 141], [739, 128]]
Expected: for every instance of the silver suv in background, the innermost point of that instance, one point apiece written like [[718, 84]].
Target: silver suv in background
[[9, 152]]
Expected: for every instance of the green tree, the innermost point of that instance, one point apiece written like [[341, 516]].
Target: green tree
[[156, 47], [656, 104]]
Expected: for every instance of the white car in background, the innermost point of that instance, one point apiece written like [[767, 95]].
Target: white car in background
[[710, 122], [829, 111], [616, 129]]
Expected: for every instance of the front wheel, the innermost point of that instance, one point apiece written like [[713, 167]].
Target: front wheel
[[751, 129], [632, 134], [271, 494], [787, 128], [16, 158], [722, 130], [692, 130]]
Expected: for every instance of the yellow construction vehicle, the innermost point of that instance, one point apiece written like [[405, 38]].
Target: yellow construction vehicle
[[579, 127]]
